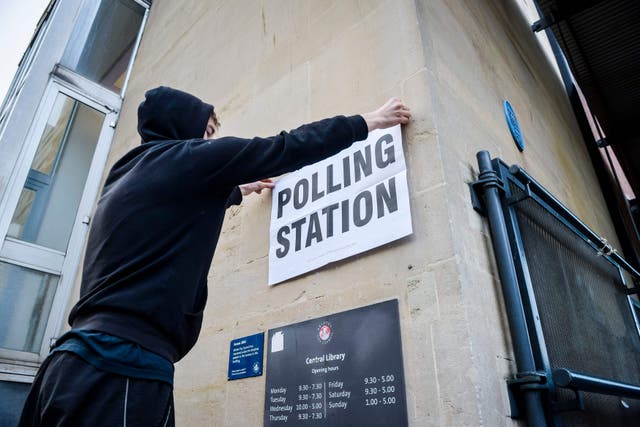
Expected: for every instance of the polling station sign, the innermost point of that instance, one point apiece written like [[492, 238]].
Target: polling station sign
[[344, 205]]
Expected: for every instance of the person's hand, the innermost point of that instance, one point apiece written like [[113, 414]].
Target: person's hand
[[256, 187], [393, 112]]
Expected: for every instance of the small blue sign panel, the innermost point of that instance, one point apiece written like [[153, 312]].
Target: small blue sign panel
[[245, 357], [514, 127]]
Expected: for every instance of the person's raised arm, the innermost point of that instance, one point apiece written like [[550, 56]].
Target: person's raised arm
[[230, 161]]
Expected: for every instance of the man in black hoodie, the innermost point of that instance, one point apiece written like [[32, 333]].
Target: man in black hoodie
[[152, 239]]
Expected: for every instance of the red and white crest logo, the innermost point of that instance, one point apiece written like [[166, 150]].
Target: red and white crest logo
[[325, 332]]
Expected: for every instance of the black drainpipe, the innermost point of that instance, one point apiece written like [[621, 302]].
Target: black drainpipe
[[491, 185]]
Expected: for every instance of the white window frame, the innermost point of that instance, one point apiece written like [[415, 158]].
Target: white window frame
[[77, 49]]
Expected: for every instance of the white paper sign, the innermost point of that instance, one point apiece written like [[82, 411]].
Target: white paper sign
[[344, 205]]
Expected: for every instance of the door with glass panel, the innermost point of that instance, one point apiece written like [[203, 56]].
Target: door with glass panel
[[52, 200]]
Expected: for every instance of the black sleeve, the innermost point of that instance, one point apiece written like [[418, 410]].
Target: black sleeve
[[235, 198], [231, 161]]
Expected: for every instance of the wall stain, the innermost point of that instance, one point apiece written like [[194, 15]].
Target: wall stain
[[299, 296]]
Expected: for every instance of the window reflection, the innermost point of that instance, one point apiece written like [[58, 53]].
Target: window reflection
[[103, 40], [56, 128], [25, 303]]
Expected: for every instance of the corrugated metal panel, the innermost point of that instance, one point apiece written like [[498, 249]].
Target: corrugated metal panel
[[601, 41], [602, 44]]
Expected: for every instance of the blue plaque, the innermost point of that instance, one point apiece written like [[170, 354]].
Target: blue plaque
[[245, 357], [514, 127]]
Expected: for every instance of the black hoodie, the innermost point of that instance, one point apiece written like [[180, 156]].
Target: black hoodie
[[160, 214]]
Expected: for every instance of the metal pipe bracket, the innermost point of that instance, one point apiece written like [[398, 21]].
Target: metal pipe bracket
[[522, 383], [476, 190]]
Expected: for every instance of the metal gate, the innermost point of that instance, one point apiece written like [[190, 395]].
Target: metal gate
[[572, 304]]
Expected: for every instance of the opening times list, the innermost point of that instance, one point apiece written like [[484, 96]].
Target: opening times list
[[309, 402], [380, 390]]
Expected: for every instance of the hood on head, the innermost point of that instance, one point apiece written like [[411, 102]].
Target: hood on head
[[171, 114]]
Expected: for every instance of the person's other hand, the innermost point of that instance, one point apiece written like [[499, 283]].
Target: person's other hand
[[393, 112], [256, 187]]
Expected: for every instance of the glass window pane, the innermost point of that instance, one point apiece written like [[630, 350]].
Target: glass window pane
[[49, 201], [103, 39], [53, 135], [21, 214], [25, 302]]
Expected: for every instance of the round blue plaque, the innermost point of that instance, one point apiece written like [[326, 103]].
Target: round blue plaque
[[514, 127]]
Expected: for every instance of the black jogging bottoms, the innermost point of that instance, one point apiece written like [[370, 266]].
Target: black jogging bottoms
[[69, 392]]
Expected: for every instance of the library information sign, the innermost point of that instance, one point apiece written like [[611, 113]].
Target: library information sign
[[245, 357], [344, 369]]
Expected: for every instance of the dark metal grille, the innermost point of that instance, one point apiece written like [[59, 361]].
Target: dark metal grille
[[603, 411], [586, 318]]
